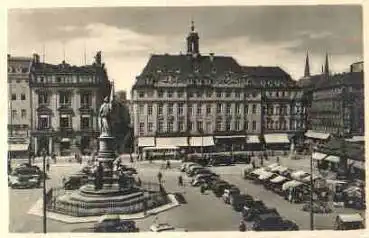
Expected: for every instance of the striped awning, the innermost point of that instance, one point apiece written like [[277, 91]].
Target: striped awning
[[291, 184], [231, 137], [146, 141], [18, 147], [252, 139], [171, 141], [202, 141], [317, 135], [318, 156], [276, 139], [333, 159]]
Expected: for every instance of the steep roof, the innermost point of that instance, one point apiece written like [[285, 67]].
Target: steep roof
[[264, 71], [351, 78], [24, 63], [65, 68]]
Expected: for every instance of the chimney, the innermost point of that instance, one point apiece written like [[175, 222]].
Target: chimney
[[36, 58], [211, 57]]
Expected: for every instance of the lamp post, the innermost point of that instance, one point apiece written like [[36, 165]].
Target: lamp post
[[44, 189], [311, 191]]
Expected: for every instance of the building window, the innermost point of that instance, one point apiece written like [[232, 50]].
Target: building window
[[141, 109], [253, 108], [160, 93], [181, 126], [149, 109], [180, 94], [43, 122], [219, 94], [228, 110], [237, 125], [170, 126], [200, 126], [246, 125], [160, 126], [170, 93], [209, 93], [180, 108], [237, 94], [160, 109], [64, 98], [198, 109], [23, 96], [238, 111], [208, 109], [65, 121], [23, 113], [219, 125], [190, 109], [14, 97], [86, 99], [228, 125], [141, 94], [253, 125], [228, 94], [150, 127], [85, 122], [150, 93], [14, 114], [208, 127], [246, 109], [219, 108], [142, 128], [170, 109]]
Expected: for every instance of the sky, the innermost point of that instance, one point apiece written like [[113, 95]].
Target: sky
[[253, 35]]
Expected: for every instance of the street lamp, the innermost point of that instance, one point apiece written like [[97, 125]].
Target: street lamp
[[44, 189], [311, 190]]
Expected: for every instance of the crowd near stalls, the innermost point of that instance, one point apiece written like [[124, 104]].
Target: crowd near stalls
[[295, 185]]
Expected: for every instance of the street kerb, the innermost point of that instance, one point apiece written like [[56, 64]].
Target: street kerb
[[36, 210]]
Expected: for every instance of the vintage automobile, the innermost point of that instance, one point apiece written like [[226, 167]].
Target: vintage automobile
[[241, 200], [200, 171], [219, 160], [246, 171], [349, 222], [228, 193], [75, 181], [318, 207], [273, 222], [185, 165], [191, 169], [113, 223], [203, 178], [251, 213], [218, 188], [25, 177]]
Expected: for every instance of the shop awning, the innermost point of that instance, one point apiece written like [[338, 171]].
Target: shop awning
[[164, 147], [202, 141], [317, 135], [333, 159], [146, 141], [265, 175], [318, 156], [65, 140], [230, 137], [171, 141], [18, 147], [291, 184], [252, 139], [276, 138], [356, 139], [278, 179]]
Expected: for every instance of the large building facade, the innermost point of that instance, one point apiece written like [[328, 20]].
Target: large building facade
[[19, 112], [193, 95], [65, 101]]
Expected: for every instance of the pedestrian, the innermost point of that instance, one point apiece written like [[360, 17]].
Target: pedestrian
[[277, 159], [242, 226], [180, 181], [262, 161], [253, 164], [48, 165], [168, 164], [54, 157], [64, 180], [139, 182], [160, 176]]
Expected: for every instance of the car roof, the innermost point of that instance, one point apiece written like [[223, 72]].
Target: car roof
[[270, 215], [109, 217], [356, 217]]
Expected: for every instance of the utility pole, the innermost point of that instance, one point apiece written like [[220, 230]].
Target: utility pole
[[44, 190]]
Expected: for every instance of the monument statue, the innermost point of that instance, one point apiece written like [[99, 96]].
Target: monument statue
[[105, 117]]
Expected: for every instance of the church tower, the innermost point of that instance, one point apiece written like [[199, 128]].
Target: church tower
[[326, 66], [307, 66], [193, 42]]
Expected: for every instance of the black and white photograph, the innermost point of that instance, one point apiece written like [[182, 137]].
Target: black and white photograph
[[155, 119]]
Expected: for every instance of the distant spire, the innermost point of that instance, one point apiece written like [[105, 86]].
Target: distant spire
[[307, 66], [84, 54], [322, 69], [326, 67], [192, 25], [43, 52]]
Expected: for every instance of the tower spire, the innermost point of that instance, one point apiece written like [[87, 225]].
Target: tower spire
[[326, 66], [192, 25], [307, 65]]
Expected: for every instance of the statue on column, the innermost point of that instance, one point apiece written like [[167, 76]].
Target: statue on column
[[105, 117]]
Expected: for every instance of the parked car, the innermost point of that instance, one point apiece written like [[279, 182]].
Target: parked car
[[318, 207], [188, 167], [273, 222], [219, 160], [200, 171], [165, 227], [219, 188], [25, 177], [75, 181], [241, 200], [349, 222], [185, 165], [113, 223], [191, 169], [87, 169], [228, 193]]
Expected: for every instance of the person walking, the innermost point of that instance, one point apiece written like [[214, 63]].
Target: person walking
[[160, 176], [48, 165], [168, 164], [242, 226], [180, 181], [277, 159]]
